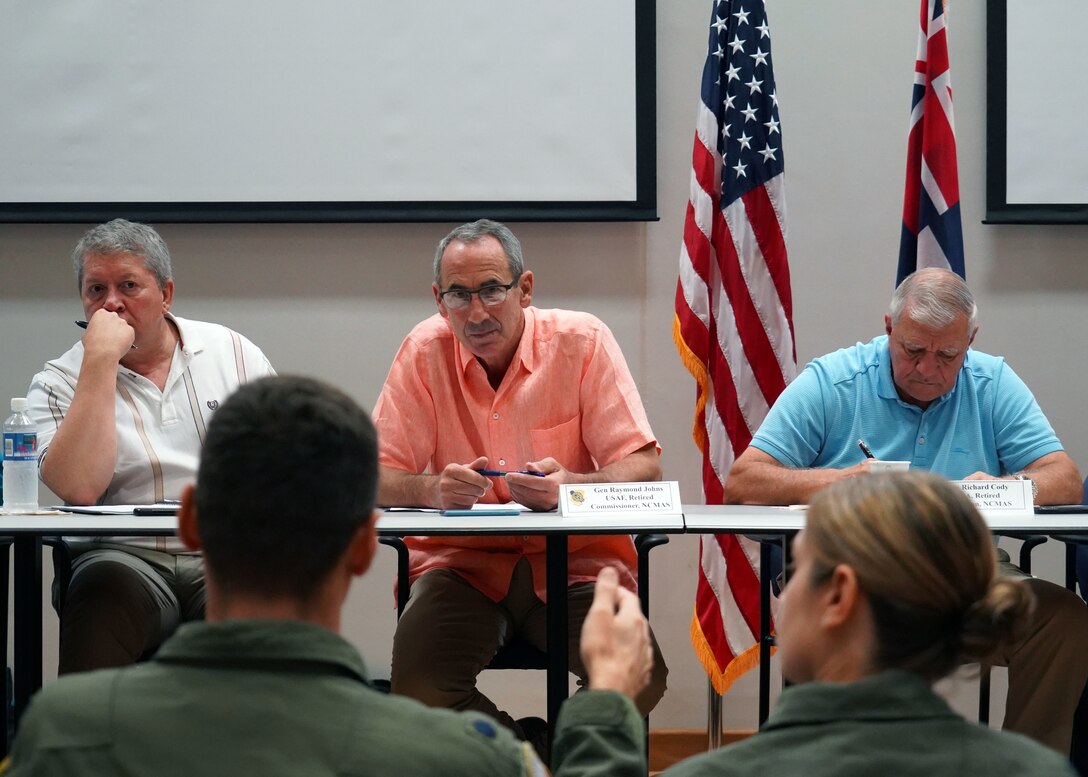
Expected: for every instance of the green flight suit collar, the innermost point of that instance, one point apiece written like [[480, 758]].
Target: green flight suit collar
[[889, 695], [263, 645]]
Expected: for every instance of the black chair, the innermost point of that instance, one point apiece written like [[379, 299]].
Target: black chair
[[1076, 554], [518, 653], [62, 570]]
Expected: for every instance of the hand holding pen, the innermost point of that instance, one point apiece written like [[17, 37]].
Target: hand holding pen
[[538, 487], [460, 486], [500, 473], [865, 465], [531, 486], [873, 464]]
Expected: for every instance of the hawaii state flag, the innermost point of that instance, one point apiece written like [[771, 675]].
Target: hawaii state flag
[[932, 232], [734, 310]]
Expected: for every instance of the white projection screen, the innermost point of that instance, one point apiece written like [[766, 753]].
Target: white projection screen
[[327, 110], [1037, 112]]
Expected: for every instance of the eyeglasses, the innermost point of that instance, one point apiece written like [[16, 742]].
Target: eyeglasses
[[490, 295]]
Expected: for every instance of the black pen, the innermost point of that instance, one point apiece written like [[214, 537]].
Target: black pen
[[498, 473], [83, 325], [865, 449]]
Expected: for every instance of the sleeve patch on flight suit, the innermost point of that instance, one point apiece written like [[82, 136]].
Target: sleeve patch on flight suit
[[485, 728]]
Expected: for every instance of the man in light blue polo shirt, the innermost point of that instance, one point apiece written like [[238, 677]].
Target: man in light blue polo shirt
[[988, 422], [919, 394]]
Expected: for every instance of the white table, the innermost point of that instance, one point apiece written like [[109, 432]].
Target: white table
[[757, 519], [430, 522], [742, 519]]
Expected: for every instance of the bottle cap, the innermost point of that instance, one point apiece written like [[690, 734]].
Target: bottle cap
[[18, 404]]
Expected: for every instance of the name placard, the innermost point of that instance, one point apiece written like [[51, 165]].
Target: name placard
[[620, 498], [1010, 497]]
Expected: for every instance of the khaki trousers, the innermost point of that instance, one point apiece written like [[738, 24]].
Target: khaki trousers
[[449, 631], [1048, 668], [122, 604]]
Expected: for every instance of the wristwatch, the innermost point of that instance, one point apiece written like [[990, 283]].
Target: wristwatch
[[1034, 485]]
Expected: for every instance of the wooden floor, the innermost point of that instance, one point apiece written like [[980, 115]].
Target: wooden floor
[[669, 746]]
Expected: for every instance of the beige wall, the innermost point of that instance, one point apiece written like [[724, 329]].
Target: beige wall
[[335, 300]]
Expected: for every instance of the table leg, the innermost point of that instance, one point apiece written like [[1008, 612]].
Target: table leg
[[28, 620], [558, 681], [5, 576], [765, 638]]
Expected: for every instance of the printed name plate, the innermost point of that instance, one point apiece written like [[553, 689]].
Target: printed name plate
[[620, 498], [1009, 497]]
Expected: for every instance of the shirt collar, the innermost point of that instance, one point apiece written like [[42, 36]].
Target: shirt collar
[[524, 354], [189, 341], [253, 643], [885, 382], [891, 695]]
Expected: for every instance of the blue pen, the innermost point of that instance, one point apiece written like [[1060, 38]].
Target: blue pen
[[498, 473]]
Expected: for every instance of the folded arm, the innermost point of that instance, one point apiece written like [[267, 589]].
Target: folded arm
[[1055, 476], [760, 479], [458, 486]]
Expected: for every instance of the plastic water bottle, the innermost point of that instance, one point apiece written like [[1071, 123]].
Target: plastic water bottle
[[20, 460]]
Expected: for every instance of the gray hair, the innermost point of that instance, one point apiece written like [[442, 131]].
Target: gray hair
[[474, 231], [933, 297], [125, 237]]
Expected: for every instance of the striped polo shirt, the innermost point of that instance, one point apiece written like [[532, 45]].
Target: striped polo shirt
[[159, 434]]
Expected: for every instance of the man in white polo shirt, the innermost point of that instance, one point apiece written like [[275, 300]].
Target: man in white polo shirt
[[121, 420]]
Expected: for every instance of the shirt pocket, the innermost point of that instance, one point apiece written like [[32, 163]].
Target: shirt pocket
[[563, 443]]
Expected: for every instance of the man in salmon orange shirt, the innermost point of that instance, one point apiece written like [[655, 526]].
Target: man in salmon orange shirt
[[490, 382]]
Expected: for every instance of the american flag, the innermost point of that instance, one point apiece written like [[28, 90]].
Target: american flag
[[932, 233], [734, 312]]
